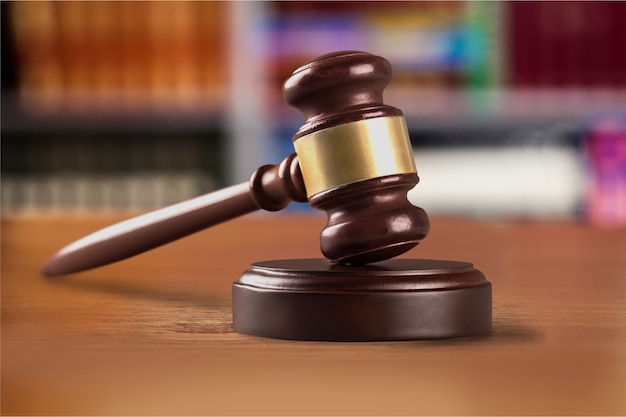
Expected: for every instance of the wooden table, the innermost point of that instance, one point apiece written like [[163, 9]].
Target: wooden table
[[152, 335]]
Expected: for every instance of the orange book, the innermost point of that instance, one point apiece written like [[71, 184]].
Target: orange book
[[105, 44], [76, 55], [37, 47]]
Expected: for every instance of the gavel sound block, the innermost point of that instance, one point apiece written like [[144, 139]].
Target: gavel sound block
[[354, 161]]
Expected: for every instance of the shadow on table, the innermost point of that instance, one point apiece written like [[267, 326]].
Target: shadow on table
[[139, 291]]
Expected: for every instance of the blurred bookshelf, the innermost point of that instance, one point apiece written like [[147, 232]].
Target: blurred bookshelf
[[112, 105], [183, 97]]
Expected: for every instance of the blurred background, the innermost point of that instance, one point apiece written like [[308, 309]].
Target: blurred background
[[515, 109]]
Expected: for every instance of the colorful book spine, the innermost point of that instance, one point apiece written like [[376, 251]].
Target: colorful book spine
[[606, 160]]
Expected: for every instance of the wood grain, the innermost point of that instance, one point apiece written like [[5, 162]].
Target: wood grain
[[152, 334]]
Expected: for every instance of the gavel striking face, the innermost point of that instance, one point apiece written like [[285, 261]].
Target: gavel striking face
[[354, 161], [356, 158]]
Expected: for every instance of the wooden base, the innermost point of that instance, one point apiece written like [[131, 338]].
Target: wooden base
[[397, 299]]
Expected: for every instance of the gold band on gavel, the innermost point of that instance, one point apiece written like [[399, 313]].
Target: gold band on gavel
[[353, 152]]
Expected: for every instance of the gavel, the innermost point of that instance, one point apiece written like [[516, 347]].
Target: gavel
[[353, 160]]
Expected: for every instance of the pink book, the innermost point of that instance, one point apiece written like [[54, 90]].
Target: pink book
[[606, 157]]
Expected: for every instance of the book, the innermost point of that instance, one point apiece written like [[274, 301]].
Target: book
[[83, 57]]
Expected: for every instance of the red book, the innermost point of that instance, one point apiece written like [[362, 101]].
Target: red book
[[567, 44]]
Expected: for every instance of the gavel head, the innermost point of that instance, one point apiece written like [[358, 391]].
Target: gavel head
[[356, 157]]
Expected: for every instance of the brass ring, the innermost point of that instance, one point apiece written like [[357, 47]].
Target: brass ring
[[355, 151]]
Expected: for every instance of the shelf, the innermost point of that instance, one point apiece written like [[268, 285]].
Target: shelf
[[146, 123], [507, 104]]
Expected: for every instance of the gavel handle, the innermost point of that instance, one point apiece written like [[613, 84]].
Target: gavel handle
[[271, 187]]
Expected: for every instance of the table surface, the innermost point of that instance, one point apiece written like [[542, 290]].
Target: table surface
[[152, 334]]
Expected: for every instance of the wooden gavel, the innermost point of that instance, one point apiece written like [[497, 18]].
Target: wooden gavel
[[353, 160]]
